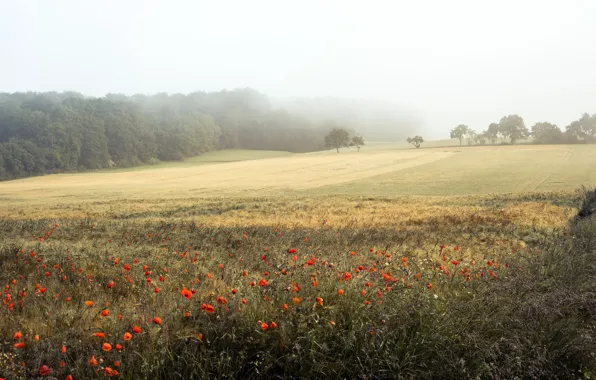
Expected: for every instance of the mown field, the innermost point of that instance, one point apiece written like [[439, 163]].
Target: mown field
[[306, 266]]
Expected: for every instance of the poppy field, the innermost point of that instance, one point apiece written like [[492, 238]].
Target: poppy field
[[332, 287]]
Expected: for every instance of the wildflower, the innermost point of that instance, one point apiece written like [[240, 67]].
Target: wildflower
[[109, 372], [69, 377], [332, 323], [454, 262], [319, 300], [347, 276], [105, 313], [136, 329], [157, 320], [156, 290], [18, 335], [106, 347], [93, 362], [100, 335], [244, 301], [117, 363], [264, 326], [273, 325], [63, 350], [89, 303], [186, 293], [263, 283], [208, 308], [126, 267], [340, 292], [127, 336], [19, 345], [285, 306], [296, 300], [234, 291], [44, 370], [118, 346]]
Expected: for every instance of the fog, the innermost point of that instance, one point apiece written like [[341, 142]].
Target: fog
[[431, 64]]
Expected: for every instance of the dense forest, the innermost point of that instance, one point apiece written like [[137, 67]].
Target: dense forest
[[59, 132]]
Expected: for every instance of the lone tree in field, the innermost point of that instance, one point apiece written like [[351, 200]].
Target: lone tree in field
[[357, 141], [416, 141], [492, 132], [513, 127], [460, 132], [337, 138]]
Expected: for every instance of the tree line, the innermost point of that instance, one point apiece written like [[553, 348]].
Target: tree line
[[60, 132], [513, 129]]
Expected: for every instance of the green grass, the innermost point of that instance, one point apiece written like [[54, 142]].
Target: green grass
[[212, 157]]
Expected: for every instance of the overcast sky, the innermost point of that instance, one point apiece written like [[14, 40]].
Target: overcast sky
[[450, 62]]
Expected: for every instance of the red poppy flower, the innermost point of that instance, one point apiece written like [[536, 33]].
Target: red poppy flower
[[186, 293], [45, 370]]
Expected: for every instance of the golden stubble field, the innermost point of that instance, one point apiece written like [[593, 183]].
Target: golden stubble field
[[435, 171]]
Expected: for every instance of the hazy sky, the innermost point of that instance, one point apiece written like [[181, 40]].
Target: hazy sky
[[450, 61]]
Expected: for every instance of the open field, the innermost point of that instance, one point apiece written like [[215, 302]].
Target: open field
[[436, 171], [306, 266]]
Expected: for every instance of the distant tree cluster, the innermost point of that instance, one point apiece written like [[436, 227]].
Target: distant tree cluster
[[513, 129], [60, 132], [340, 138]]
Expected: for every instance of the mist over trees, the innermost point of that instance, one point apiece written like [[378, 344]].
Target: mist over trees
[[377, 121], [59, 132], [512, 128]]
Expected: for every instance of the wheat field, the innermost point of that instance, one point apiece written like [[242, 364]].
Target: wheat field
[[377, 172], [322, 265]]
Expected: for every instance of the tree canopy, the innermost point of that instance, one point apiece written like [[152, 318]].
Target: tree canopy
[[357, 141], [546, 133], [337, 138], [416, 141], [513, 128], [460, 132], [60, 132]]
